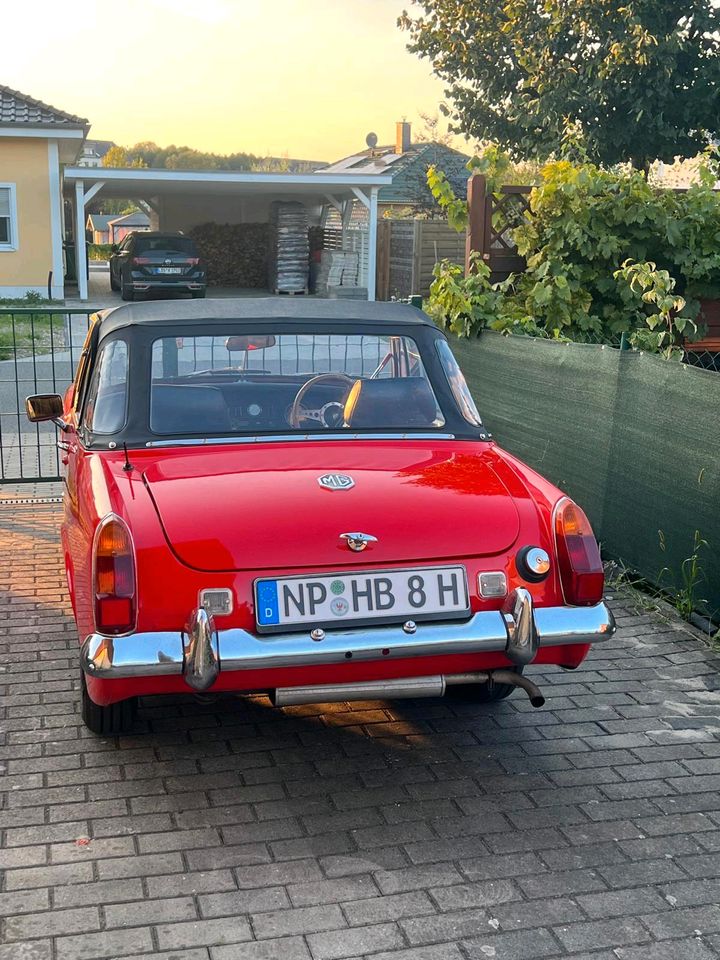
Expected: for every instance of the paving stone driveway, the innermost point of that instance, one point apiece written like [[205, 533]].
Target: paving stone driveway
[[416, 830]]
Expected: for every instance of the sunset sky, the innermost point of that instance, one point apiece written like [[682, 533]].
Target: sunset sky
[[305, 77]]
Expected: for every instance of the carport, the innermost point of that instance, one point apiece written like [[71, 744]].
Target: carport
[[181, 199]]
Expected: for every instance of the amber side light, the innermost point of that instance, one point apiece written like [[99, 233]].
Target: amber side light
[[114, 586], [579, 561]]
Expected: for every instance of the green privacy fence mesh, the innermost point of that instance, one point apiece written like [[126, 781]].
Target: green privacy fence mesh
[[633, 438]]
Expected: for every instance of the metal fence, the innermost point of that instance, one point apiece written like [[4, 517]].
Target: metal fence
[[39, 350]]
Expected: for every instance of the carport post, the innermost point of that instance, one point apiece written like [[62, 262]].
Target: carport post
[[372, 243], [80, 248]]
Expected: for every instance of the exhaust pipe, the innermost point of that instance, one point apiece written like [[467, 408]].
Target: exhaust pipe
[[518, 680], [405, 687]]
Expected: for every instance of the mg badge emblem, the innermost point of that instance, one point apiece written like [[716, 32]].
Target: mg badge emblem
[[336, 481]]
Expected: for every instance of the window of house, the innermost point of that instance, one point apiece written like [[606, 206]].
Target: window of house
[[8, 217]]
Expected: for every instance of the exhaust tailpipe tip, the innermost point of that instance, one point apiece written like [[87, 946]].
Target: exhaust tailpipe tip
[[518, 680]]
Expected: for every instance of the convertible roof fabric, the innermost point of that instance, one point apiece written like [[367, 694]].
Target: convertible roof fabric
[[262, 309]]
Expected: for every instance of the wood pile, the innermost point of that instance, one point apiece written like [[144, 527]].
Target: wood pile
[[236, 253]]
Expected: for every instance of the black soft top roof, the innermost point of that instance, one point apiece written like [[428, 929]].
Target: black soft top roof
[[263, 310]]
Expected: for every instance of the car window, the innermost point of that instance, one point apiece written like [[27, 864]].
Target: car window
[[106, 407], [82, 372], [458, 383], [166, 244], [278, 382]]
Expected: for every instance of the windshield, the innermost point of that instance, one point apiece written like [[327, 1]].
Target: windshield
[[265, 382]]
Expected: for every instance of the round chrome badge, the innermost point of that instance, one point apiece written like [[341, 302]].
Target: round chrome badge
[[336, 481]]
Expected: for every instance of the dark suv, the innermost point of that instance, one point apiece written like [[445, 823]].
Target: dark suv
[[151, 262]]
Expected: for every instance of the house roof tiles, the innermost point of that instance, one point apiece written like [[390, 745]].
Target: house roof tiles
[[408, 169], [18, 108]]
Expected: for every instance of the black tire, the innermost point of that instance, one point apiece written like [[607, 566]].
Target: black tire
[[198, 294], [484, 692], [126, 292], [112, 721], [113, 283]]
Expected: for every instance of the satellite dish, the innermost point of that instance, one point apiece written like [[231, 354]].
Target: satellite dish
[[371, 140]]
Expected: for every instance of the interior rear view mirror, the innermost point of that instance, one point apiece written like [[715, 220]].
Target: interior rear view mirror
[[249, 342], [44, 406]]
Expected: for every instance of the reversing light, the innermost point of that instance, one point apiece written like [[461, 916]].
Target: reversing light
[[581, 569], [533, 564], [492, 584], [114, 585], [217, 601]]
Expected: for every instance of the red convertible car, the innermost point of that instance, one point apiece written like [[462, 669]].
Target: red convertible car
[[300, 498]]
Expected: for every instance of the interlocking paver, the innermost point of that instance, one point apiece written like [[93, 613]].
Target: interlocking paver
[[416, 830]]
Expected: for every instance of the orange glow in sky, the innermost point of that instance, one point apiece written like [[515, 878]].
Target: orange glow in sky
[[309, 78]]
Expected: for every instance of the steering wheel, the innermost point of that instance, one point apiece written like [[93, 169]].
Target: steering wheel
[[298, 412]]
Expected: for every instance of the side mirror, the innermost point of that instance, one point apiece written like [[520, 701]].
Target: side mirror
[[44, 406]]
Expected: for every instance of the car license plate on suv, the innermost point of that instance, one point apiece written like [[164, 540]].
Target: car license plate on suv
[[334, 599], [169, 270]]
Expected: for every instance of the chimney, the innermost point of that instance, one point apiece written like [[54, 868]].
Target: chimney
[[402, 136]]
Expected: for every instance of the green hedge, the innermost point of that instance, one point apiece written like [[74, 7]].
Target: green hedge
[[99, 251]]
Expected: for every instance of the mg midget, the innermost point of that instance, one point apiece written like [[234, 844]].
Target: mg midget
[[299, 498]]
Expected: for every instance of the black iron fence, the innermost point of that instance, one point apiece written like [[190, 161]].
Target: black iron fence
[[39, 350]]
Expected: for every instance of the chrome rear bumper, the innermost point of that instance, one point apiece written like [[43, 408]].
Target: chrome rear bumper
[[201, 651]]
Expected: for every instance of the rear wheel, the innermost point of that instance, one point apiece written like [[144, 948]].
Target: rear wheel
[[111, 721], [113, 282], [488, 692], [126, 291]]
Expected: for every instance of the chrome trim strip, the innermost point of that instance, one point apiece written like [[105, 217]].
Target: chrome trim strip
[[144, 654], [286, 437], [136, 655]]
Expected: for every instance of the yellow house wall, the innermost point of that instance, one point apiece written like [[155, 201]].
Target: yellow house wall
[[24, 162]]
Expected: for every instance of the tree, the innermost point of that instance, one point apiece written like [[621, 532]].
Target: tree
[[432, 131], [640, 79], [119, 157]]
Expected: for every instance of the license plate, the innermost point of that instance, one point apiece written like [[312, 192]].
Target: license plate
[[169, 270], [370, 596]]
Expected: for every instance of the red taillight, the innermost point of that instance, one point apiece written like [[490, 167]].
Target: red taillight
[[581, 569], [114, 586], [140, 261], [193, 261]]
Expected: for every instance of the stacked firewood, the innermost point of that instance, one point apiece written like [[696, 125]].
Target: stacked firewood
[[236, 253]]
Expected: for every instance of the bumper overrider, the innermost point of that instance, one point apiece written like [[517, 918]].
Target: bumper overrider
[[200, 652]]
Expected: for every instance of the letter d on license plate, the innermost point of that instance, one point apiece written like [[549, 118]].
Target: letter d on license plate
[[334, 599]]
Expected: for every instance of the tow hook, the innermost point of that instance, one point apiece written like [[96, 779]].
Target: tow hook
[[523, 640]]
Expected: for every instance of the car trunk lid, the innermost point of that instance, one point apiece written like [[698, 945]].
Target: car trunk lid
[[262, 507]]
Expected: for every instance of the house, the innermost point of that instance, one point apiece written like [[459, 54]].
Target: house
[[93, 152], [35, 139], [407, 163], [120, 227], [96, 227]]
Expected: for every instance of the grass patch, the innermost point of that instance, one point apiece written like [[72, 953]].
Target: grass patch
[[25, 334]]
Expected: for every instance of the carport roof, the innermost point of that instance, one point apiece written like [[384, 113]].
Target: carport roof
[[149, 183]]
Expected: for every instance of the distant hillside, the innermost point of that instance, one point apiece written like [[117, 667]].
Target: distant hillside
[[149, 154]]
